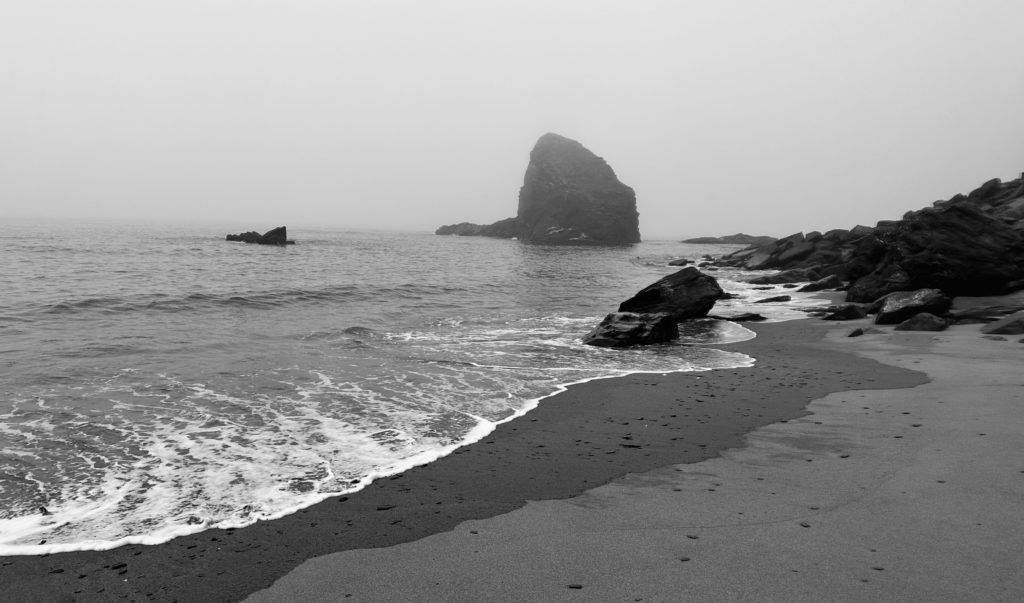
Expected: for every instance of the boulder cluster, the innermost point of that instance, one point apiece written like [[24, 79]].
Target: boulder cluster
[[569, 196], [653, 314], [967, 245], [907, 271]]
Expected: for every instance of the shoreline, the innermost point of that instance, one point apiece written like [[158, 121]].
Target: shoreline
[[875, 495], [576, 440]]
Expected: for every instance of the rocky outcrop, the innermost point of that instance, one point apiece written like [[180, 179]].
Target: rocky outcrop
[[967, 245], [735, 239], [569, 197], [902, 305], [955, 248], [274, 236], [624, 329], [685, 294], [502, 229]]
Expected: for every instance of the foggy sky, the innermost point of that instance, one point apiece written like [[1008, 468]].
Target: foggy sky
[[753, 116]]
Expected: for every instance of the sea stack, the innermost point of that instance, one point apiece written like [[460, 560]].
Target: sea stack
[[572, 196], [569, 196]]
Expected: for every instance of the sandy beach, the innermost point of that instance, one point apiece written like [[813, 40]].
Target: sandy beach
[[703, 486], [879, 494]]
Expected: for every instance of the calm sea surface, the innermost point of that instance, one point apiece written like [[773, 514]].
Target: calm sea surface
[[161, 381]]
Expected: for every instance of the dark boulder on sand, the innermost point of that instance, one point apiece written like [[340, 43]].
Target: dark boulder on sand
[[1011, 325], [624, 329], [685, 294], [924, 321], [569, 196], [829, 282], [796, 275], [742, 317], [898, 307], [274, 236], [846, 312]]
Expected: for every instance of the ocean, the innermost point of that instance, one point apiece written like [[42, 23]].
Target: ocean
[[157, 381]]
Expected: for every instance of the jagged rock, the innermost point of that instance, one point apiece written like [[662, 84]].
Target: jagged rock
[[924, 321], [968, 245], [274, 236], [777, 298], [1011, 325], [902, 305], [956, 248], [829, 282], [735, 239], [846, 312], [623, 329], [685, 294], [796, 275], [569, 197]]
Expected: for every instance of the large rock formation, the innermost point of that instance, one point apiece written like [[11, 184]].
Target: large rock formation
[[956, 248], [967, 245], [569, 197], [274, 236], [685, 294]]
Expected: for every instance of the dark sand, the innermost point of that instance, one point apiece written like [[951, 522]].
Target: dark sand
[[574, 441]]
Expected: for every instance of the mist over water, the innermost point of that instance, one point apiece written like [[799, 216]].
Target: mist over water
[[155, 382]]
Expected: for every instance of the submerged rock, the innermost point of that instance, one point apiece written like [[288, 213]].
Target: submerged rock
[[624, 329], [772, 300], [685, 294], [569, 196]]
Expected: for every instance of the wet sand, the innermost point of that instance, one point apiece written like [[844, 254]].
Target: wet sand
[[573, 442]]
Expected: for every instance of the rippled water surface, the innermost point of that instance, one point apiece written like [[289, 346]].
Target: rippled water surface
[[159, 381]]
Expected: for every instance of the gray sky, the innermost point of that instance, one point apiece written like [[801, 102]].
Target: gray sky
[[724, 116]]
